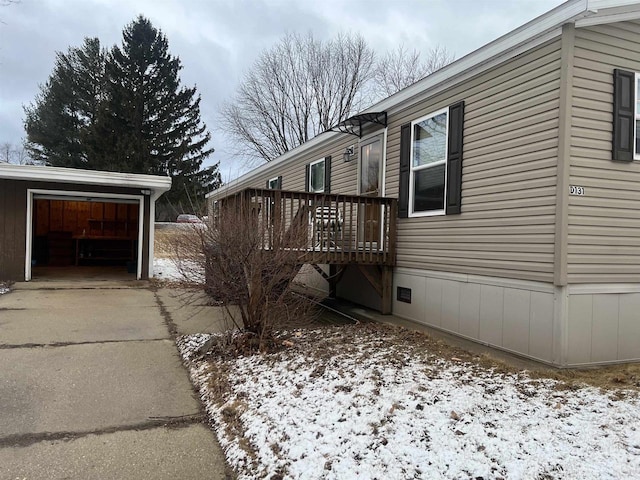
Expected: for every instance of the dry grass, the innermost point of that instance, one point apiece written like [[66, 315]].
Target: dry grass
[[394, 339]]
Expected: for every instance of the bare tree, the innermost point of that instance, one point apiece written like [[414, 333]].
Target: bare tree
[[15, 154], [400, 68], [296, 90]]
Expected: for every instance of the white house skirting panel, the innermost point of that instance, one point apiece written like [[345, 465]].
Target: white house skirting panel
[[512, 315]]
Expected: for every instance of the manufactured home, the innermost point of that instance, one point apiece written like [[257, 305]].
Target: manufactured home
[[57, 222], [496, 199]]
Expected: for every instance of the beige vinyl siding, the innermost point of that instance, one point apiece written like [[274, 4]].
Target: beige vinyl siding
[[506, 228], [343, 175], [604, 224]]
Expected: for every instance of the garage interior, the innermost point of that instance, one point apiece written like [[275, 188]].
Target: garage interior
[[84, 238]]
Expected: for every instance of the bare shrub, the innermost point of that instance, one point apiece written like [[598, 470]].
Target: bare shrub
[[247, 263]]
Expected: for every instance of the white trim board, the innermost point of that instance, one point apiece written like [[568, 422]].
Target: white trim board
[[85, 177], [32, 193], [603, 288]]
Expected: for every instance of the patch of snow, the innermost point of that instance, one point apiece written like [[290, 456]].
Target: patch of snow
[[176, 271], [380, 412], [4, 290]]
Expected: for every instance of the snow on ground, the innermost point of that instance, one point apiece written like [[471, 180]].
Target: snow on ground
[[3, 290], [371, 407], [173, 270]]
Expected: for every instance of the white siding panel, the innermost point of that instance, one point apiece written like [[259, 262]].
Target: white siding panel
[[433, 302], [491, 311], [629, 327], [470, 310], [509, 314], [603, 327], [579, 329], [541, 326], [450, 306], [517, 312], [416, 309]]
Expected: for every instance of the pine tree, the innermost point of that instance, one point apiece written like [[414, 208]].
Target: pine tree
[[60, 122], [148, 123], [124, 111]]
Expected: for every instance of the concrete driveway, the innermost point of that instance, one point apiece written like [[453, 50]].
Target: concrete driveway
[[91, 387]]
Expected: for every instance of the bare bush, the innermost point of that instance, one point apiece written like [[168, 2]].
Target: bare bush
[[247, 263]]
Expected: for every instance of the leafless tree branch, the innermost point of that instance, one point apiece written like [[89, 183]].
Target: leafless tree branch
[[296, 90], [402, 67]]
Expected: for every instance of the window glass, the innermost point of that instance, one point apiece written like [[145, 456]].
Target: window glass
[[370, 156], [316, 177], [273, 183], [428, 189], [428, 163], [429, 140]]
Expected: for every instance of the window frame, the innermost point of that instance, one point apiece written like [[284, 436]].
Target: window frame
[[309, 186], [274, 179], [412, 169], [636, 117]]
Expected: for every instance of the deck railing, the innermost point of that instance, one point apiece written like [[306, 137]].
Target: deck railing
[[324, 228]]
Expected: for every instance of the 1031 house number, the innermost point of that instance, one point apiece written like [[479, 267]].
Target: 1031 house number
[[576, 190]]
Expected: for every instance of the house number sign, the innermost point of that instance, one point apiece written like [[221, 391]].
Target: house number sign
[[576, 190]]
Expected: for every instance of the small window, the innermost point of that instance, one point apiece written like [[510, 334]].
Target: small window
[[274, 183], [316, 176], [427, 181]]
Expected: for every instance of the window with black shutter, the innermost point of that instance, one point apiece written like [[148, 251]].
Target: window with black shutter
[[316, 175], [431, 164]]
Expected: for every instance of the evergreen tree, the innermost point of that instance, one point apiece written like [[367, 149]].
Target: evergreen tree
[[148, 123], [124, 111], [60, 122]]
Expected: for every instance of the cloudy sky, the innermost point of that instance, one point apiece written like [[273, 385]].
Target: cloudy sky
[[218, 40]]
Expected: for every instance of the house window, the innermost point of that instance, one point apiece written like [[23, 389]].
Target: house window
[[427, 182], [274, 183], [316, 176]]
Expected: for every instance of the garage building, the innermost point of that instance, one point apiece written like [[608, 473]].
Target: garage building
[[57, 221]]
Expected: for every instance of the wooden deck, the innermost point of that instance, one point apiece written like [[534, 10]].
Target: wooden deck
[[324, 228], [321, 229]]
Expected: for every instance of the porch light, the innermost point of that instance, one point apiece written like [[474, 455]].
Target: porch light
[[348, 154]]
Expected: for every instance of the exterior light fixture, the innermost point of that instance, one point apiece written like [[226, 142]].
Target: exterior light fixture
[[349, 152]]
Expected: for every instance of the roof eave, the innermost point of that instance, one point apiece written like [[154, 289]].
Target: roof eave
[[89, 177]]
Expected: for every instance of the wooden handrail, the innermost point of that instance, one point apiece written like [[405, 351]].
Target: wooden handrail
[[329, 227]]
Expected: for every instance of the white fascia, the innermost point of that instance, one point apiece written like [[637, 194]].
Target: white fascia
[[158, 184]]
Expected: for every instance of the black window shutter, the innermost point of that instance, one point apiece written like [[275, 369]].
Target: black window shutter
[[306, 178], [327, 174], [405, 157], [623, 115], [267, 186], [279, 182], [454, 159]]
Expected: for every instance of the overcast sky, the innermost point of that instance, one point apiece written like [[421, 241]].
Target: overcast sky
[[218, 41]]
